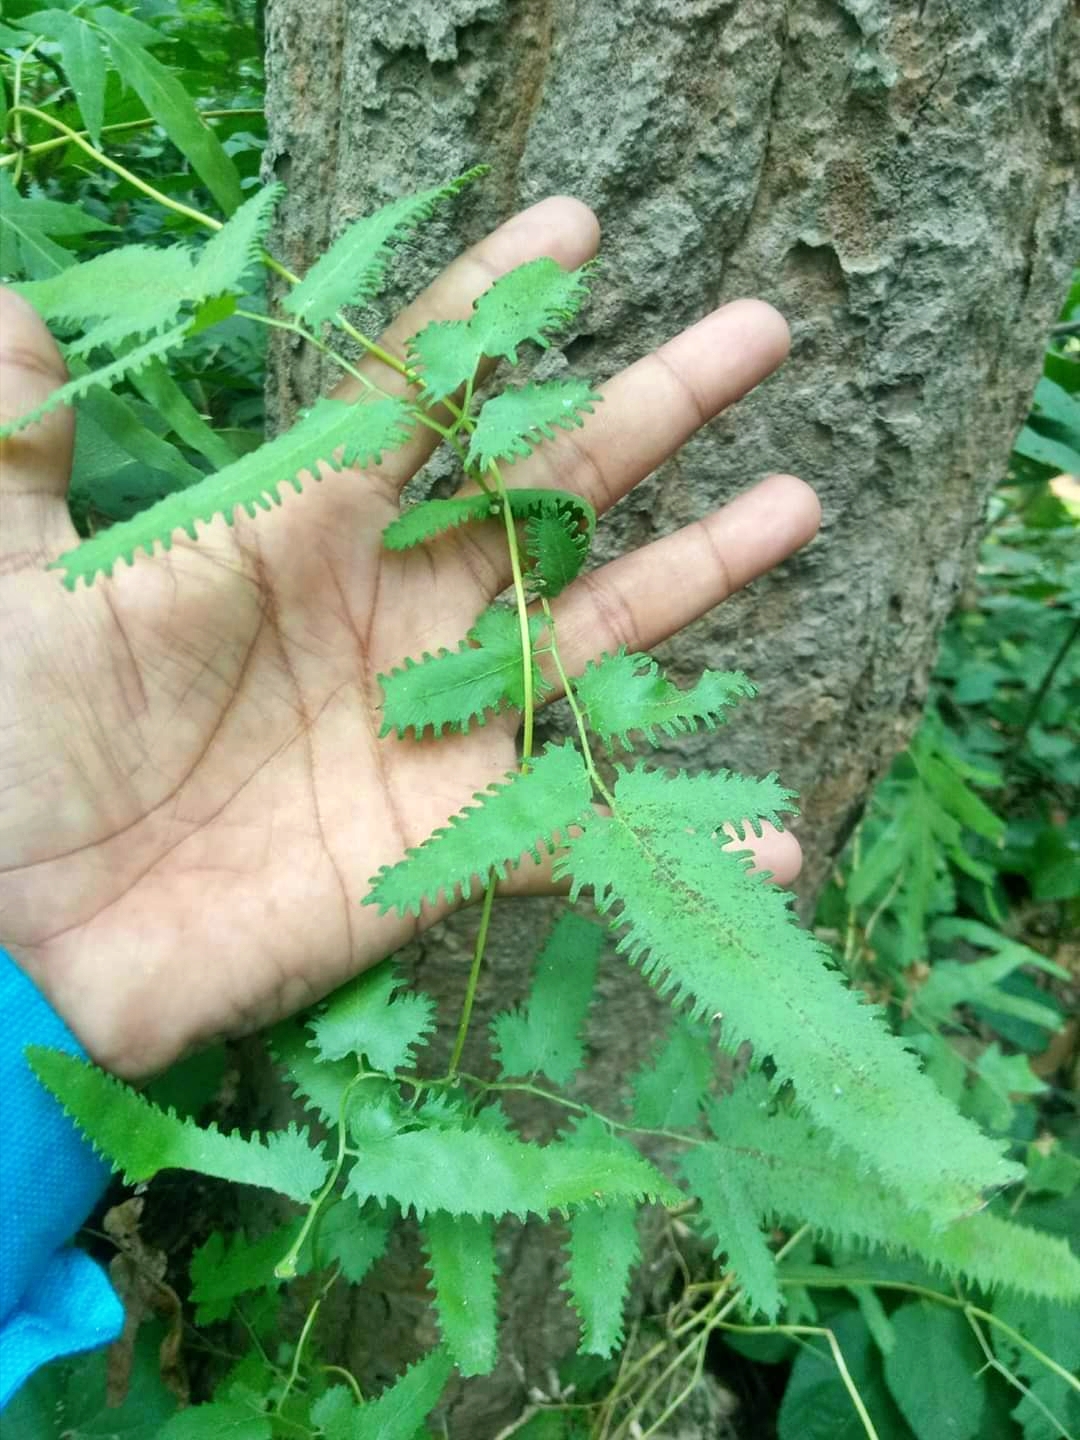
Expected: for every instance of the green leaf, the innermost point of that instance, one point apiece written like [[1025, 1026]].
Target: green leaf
[[433, 517], [169, 103], [952, 983], [353, 270], [225, 1267], [515, 422], [526, 304], [320, 1085], [139, 1139], [158, 387], [221, 1420], [702, 927], [557, 548], [544, 1036], [25, 246], [461, 1257], [399, 1412], [517, 817], [934, 1372], [670, 1090], [222, 264], [817, 1405], [730, 1213], [603, 1251], [104, 378], [333, 433], [481, 1172], [999, 1077], [362, 1019], [792, 1170], [354, 1240], [629, 692], [456, 689], [82, 59]]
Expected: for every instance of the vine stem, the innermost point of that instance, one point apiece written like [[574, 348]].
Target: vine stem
[[529, 697], [474, 977], [571, 700], [43, 147]]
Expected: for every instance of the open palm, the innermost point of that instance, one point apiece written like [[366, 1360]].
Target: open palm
[[195, 793]]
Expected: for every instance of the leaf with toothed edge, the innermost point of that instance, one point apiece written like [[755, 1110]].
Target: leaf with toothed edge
[[628, 692], [602, 1253], [704, 929], [557, 548], [432, 518], [139, 1138], [514, 423], [362, 1019], [456, 689], [520, 816], [104, 378], [333, 433], [528, 303], [461, 1257]]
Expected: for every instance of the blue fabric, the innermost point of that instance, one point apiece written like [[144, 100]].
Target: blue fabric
[[54, 1300]]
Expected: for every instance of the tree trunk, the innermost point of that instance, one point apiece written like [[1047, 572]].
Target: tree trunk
[[899, 177]]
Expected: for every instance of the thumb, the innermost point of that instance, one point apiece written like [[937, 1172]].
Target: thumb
[[35, 463]]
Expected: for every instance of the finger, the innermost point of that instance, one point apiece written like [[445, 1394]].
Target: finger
[[35, 463], [647, 413], [560, 227], [642, 598]]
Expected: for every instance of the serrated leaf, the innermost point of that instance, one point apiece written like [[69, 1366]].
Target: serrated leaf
[[399, 1412], [228, 1266], [603, 1251], [137, 290], [515, 422], [732, 1216], [557, 548], [355, 1241], [706, 930], [482, 1172], [670, 1090], [139, 1139], [353, 270], [433, 517], [629, 692], [320, 1085], [103, 378], [792, 1170], [934, 1372], [543, 1036], [526, 304], [168, 102], [332, 433], [456, 689], [520, 816], [82, 59], [461, 1257], [362, 1019], [219, 1420]]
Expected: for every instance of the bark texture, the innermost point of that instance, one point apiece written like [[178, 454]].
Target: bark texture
[[899, 177]]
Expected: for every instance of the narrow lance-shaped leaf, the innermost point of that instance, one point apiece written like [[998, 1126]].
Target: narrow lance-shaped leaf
[[627, 692], [461, 1256], [353, 270], [398, 1413], [458, 688], [733, 1215], [82, 59], [169, 103], [670, 1090], [521, 815], [140, 1139], [104, 378], [515, 422], [334, 434], [544, 1036], [483, 1172], [362, 1019], [704, 929], [603, 1251]]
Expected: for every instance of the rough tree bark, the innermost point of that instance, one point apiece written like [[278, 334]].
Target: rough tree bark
[[898, 176]]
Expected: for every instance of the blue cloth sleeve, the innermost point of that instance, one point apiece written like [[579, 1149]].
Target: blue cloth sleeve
[[54, 1300]]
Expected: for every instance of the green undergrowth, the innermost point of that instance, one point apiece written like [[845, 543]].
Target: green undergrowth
[[886, 1179]]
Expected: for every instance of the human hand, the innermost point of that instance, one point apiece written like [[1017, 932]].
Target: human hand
[[195, 794]]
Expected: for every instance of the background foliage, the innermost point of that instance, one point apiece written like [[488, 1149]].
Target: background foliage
[[957, 902]]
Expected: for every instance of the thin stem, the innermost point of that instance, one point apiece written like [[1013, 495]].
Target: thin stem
[[298, 1354], [474, 976], [523, 618], [73, 135], [348, 1377], [16, 105], [43, 147], [1040, 694], [993, 1363], [571, 700]]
